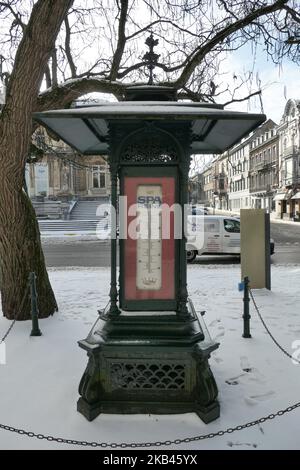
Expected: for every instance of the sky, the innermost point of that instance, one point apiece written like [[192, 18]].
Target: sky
[[279, 83]]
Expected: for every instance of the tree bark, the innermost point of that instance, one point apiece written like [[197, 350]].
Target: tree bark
[[20, 244], [21, 253]]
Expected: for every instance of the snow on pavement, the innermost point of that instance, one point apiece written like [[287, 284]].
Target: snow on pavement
[[40, 380]]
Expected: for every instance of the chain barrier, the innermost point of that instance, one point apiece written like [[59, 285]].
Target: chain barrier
[[132, 445], [16, 316], [268, 331]]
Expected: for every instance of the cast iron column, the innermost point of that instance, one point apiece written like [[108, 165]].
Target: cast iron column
[[113, 294], [182, 310]]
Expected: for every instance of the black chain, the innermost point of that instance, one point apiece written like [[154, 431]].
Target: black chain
[[16, 316], [269, 332], [133, 445]]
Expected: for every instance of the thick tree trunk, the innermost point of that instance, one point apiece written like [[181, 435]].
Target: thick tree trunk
[[20, 254], [20, 245]]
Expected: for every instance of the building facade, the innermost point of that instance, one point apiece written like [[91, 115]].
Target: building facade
[[264, 166], [220, 179], [238, 176], [261, 171], [196, 189], [61, 174], [208, 187], [288, 198]]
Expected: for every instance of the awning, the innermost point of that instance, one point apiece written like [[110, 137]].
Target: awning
[[279, 197], [296, 196], [283, 196]]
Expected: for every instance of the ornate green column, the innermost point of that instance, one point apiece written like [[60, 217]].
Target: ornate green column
[[184, 166], [113, 294]]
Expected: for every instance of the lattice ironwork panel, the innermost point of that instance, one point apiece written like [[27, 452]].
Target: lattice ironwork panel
[[134, 375], [149, 148]]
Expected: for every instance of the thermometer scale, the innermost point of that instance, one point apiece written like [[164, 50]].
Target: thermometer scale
[[149, 243]]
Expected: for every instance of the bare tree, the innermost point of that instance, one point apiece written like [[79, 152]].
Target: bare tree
[[86, 46], [20, 247]]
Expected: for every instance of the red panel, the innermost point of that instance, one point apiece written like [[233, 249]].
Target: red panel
[[167, 290]]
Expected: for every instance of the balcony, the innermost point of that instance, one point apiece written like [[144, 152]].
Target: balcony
[[261, 166], [291, 151], [292, 181]]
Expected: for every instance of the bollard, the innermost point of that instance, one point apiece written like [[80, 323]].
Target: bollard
[[34, 308], [246, 315]]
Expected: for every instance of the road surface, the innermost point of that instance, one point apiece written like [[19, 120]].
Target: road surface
[[97, 254]]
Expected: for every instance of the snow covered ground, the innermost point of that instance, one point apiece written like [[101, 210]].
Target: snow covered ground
[[39, 382]]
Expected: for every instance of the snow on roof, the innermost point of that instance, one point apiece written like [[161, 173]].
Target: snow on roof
[[153, 108]]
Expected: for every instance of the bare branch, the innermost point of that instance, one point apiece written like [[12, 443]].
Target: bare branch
[[121, 40], [64, 95], [68, 48], [54, 67], [222, 35], [48, 77], [239, 100], [17, 16]]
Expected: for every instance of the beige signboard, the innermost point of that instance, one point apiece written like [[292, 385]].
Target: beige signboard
[[255, 247]]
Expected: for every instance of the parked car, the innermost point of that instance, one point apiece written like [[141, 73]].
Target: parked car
[[199, 210], [214, 235]]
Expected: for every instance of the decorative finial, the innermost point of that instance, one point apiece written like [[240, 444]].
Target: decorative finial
[[151, 57]]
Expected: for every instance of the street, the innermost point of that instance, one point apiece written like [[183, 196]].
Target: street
[[97, 254]]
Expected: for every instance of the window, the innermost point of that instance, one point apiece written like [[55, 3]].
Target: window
[[99, 179], [232, 226], [211, 226], [289, 169], [41, 179]]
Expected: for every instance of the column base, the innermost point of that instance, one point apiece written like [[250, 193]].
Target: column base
[[157, 371], [90, 411]]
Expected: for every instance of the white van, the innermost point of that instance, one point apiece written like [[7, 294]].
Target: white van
[[221, 236]]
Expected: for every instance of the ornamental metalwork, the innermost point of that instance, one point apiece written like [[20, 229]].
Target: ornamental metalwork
[[149, 148], [150, 57], [132, 375]]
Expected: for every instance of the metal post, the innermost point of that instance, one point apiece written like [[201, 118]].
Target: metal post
[[34, 307], [113, 310], [246, 315], [182, 309]]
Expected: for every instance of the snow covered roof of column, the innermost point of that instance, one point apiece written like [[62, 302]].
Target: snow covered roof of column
[[214, 129]]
